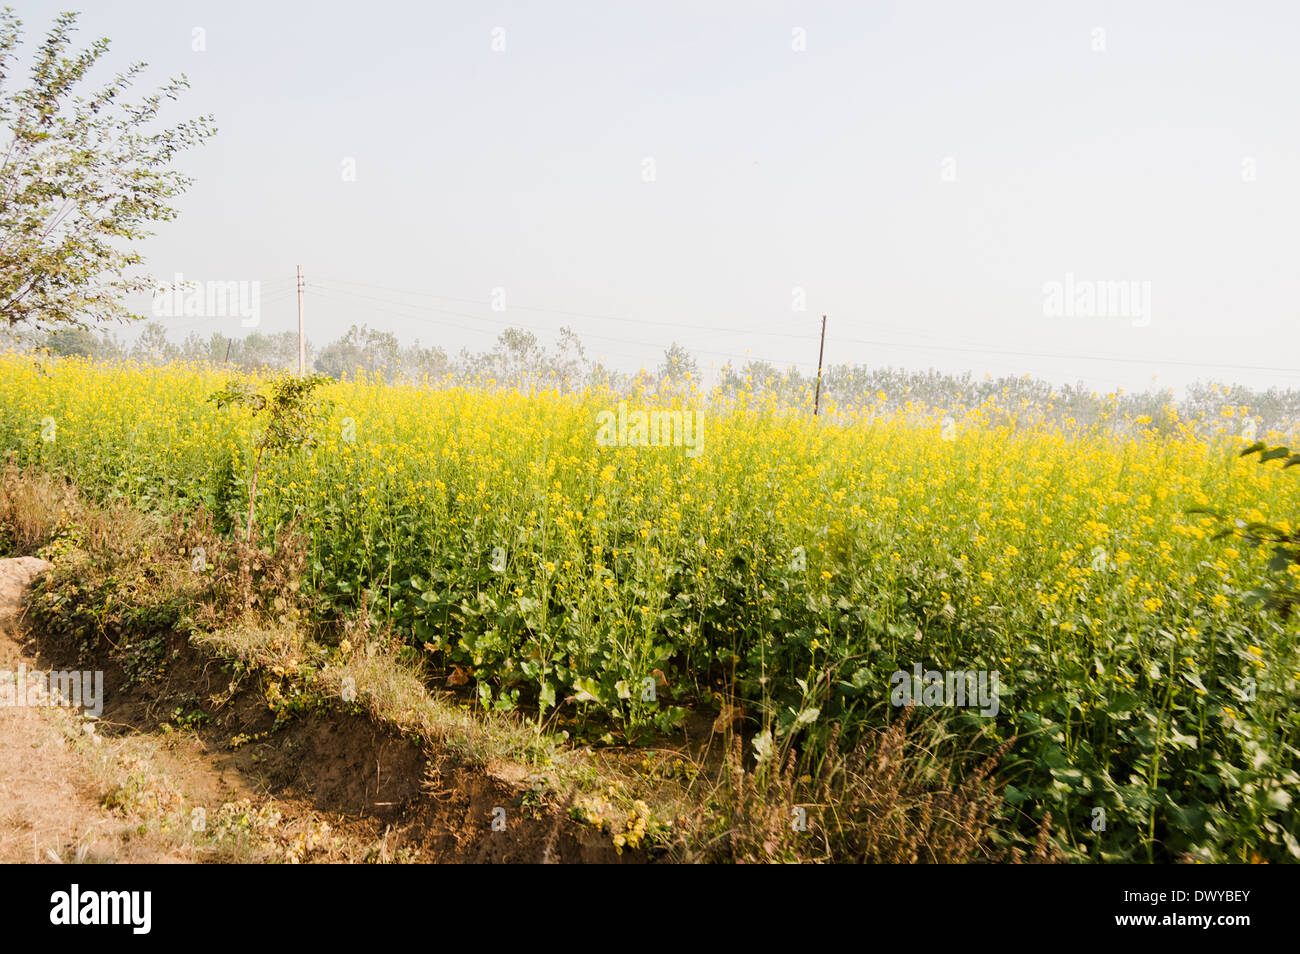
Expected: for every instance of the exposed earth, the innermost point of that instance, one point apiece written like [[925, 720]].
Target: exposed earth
[[188, 769]]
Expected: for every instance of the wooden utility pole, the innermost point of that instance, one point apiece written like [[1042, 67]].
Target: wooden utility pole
[[227, 358], [302, 338], [817, 400]]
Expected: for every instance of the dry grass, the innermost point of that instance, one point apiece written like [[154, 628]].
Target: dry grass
[[892, 799], [33, 507]]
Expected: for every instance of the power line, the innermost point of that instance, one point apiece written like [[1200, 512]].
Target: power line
[[575, 314], [333, 295], [706, 330], [336, 299], [1071, 355], [278, 294], [907, 345], [351, 297], [422, 309]]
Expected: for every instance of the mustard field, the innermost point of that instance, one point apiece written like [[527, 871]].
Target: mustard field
[[570, 553]]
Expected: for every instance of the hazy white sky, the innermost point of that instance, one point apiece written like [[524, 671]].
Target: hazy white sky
[[922, 171]]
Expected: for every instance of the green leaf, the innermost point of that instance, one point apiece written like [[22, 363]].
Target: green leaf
[[1292, 846], [1281, 559], [807, 716], [1121, 703], [1192, 679], [586, 690]]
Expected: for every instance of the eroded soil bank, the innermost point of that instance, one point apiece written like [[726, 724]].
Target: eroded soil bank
[[190, 767]]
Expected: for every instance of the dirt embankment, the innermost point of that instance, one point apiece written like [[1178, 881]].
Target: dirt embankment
[[50, 802], [191, 766]]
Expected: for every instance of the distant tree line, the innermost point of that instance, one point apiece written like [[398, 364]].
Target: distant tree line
[[519, 360]]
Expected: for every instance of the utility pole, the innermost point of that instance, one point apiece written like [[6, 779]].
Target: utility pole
[[302, 341], [817, 400], [227, 358]]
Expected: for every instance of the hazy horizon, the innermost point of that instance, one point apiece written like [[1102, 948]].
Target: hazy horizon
[[1096, 194]]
